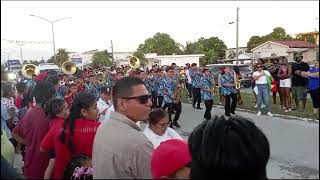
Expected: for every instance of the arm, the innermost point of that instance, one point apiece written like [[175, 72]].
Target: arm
[[19, 138], [141, 166], [289, 71]]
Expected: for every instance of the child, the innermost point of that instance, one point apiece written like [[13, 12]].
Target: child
[[76, 135], [57, 110], [104, 102], [80, 167]]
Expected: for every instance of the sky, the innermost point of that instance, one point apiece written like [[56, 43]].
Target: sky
[[128, 23]]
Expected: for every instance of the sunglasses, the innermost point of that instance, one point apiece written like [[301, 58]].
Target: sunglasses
[[143, 99]]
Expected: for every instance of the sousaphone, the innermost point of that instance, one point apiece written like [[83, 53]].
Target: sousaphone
[[28, 70], [69, 67]]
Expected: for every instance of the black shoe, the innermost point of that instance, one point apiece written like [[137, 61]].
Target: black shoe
[[227, 115], [199, 108], [233, 113], [176, 124]]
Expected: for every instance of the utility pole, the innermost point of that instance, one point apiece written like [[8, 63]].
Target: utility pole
[[112, 52], [237, 37]]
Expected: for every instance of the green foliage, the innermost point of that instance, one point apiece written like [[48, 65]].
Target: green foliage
[[160, 43], [61, 57], [101, 59], [213, 48], [278, 34]]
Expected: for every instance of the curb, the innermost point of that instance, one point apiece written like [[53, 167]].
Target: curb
[[278, 115]]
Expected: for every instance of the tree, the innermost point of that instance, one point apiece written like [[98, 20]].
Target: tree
[[213, 48], [101, 59], [278, 34], [61, 57]]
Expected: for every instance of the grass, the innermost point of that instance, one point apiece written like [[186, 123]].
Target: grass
[[248, 104]]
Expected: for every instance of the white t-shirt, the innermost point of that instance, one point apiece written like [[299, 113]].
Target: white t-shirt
[[102, 105], [156, 139], [262, 79], [188, 76]]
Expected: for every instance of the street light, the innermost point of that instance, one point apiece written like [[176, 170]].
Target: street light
[[237, 36], [54, 46]]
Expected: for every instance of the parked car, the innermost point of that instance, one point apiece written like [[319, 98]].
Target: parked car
[[245, 72]]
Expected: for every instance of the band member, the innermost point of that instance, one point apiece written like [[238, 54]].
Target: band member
[[188, 80], [158, 83], [31, 83], [91, 88], [73, 90], [104, 102], [153, 88], [196, 75], [168, 88], [229, 91], [80, 84], [207, 93]]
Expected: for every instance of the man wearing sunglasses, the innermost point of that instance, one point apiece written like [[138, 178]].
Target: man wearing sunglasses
[[120, 150], [169, 85]]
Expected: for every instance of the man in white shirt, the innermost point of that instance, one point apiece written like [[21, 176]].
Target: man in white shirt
[[188, 80], [104, 103]]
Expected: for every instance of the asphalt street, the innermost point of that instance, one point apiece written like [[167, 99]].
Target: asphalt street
[[294, 143]]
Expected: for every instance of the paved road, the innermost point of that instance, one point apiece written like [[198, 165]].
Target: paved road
[[294, 143]]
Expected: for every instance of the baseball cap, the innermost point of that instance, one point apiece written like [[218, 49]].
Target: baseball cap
[[168, 157]]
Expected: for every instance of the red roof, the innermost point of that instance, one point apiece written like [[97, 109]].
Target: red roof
[[297, 44]]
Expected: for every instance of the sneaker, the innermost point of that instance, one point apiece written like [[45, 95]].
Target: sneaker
[[287, 110], [259, 113], [255, 106], [270, 114], [262, 106]]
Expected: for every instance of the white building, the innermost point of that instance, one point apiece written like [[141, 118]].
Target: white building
[[180, 60], [121, 58], [274, 49]]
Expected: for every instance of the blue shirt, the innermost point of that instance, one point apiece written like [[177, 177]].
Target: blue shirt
[[168, 85], [158, 85], [4, 118], [313, 81], [228, 79], [195, 78], [91, 89], [206, 84]]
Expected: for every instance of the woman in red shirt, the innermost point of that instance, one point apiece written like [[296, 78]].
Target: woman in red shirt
[[31, 129], [76, 135]]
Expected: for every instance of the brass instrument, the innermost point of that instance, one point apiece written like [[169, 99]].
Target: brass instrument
[[69, 67], [237, 82], [177, 94], [134, 63], [214, 87], [28, 70], [61, 83]]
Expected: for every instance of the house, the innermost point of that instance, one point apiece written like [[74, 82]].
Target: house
[[271, 50], [121, 58], [245, 58], [231, 52], [180, 60]]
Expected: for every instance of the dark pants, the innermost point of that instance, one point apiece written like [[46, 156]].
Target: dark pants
[[174, 107], [189, 88], [160, 100], [154, 99], [230, 108], [315, 97], [208, 104], [196, 92]]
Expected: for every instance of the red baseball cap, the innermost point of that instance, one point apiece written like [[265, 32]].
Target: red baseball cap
[[168, 157]]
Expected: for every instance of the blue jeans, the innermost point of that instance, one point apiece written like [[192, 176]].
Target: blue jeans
[[263, 94]]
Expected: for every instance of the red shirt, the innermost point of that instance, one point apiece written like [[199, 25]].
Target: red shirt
[[18, 101], [69, 99], [82, 138], [33, 127]]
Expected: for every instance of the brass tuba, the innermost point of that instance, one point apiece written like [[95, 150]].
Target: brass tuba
[[134, 63], [69, 67], [177, 93], [28, 70]]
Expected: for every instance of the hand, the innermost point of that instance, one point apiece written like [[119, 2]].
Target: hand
[[298, 72], [304, 74]]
